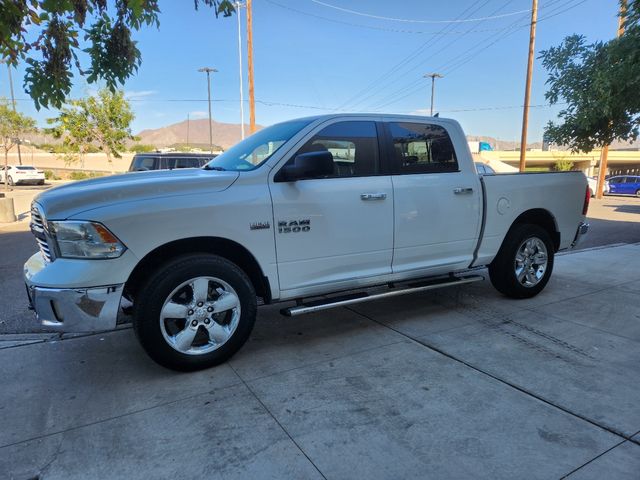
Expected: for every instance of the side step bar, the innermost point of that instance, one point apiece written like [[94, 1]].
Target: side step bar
[[351, 299]]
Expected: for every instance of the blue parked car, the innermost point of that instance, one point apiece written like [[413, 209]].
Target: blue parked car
[[624, 185]]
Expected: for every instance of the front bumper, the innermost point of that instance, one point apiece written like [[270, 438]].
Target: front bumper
[[72, 309], [583, 228], [76, 310]]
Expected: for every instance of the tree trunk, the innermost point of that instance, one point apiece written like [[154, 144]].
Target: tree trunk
[[6, 168], [110, 162]]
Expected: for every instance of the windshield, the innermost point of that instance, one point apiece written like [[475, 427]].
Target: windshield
[[253, 151]]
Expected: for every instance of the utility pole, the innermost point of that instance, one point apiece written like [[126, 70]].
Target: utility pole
[[604, 154], [239, 5], [527, 90], [252, 100], [208, 71], [433, 85], [13, 102]]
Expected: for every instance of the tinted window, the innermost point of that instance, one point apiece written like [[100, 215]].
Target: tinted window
[[353, 145], [422, 148], [488, 170], [143, 163], [480, 168], [186, 162], [25, 168]]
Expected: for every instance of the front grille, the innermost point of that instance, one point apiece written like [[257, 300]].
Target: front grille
[[36, 219], [38, 230]]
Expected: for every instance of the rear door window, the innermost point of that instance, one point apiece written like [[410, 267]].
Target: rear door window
[[422, 148]]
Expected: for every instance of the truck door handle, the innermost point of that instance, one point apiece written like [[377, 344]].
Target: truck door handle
[[373, 196], [461, 190]]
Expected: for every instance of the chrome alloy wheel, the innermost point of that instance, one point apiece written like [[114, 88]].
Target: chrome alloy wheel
[[200, 315], [531, 262]]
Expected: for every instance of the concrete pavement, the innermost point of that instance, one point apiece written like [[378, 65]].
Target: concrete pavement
[[456, 383]]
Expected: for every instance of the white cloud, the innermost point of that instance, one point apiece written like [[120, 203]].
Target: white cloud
[[139, 93], [198, 114]]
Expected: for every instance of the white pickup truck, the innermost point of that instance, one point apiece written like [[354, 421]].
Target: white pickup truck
[[317, 210]]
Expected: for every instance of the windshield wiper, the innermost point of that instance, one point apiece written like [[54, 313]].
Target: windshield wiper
[[214, 167]]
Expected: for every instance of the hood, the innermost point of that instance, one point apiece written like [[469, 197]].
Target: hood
[[66, 200]]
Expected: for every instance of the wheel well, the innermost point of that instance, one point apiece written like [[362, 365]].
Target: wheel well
[[542, 218], [232, 251]]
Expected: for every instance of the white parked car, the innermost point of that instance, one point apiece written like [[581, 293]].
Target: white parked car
[[304, 210], [21, 174]]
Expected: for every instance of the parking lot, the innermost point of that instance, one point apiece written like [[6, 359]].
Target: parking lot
[[455, 383]]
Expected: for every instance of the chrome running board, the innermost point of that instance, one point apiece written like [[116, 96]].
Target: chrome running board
[[342, 301]]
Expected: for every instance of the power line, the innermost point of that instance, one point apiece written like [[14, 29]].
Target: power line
[[371, 91], [417, 82], [374, 27], [452, 65], [357, 98], [407, 20], [449, 67]]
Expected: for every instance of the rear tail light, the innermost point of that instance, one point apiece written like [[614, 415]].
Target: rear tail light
[[587, 198]]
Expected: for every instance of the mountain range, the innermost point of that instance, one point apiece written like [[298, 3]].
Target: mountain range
[[194, 132]]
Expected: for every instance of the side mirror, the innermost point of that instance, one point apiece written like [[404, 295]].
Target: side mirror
[[307, 165]]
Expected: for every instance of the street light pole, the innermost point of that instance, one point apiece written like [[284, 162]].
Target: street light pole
[[239, 5], [433, 77], [208, 71]]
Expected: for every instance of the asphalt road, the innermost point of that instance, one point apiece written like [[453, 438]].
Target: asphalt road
[[613, 220]]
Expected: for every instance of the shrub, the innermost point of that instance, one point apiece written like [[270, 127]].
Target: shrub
[[84, 175], [49, 175], [142, 148], [563, 165]]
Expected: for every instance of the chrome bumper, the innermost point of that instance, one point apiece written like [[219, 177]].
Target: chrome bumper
[[72, 309], [583, 228], [77, 309]]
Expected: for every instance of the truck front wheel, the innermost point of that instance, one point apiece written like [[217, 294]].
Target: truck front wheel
[[194, 312], [524, 263]]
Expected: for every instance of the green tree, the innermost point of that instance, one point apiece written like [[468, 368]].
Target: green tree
[[600, 85], [103, 120], [12, 126], [46, 33], [563, 165]]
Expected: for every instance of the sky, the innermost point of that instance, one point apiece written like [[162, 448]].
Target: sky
[[323, 56]]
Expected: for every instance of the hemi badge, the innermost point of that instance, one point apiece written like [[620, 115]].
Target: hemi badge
[[259, 226]]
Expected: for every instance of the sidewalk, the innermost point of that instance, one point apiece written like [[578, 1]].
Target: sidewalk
[[457, 383]]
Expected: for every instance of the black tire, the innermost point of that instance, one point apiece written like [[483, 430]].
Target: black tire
[[40, 182], [638, 193], [149, 302], [10, 180], [502, 271]]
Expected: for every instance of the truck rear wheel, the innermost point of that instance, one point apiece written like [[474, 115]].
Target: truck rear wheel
[[524, 263], [194, 312]]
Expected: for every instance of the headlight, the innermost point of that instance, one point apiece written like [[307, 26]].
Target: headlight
[[80, 239]]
